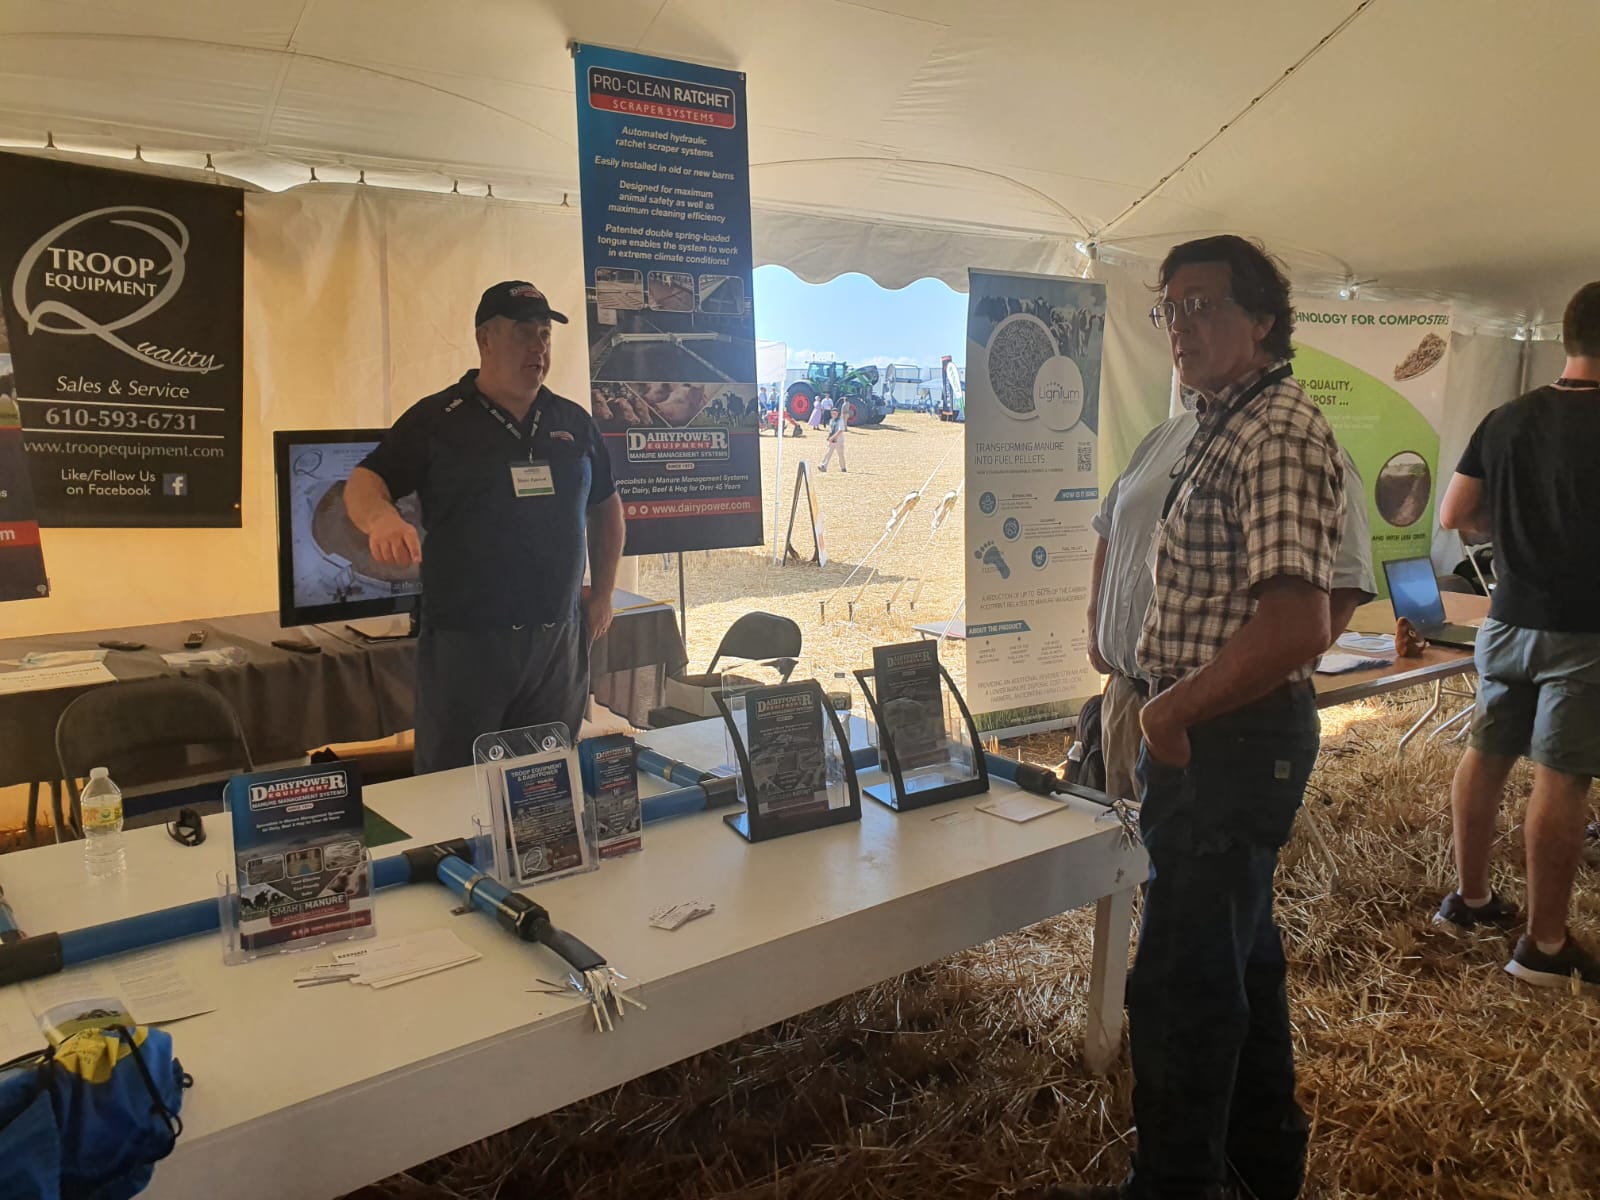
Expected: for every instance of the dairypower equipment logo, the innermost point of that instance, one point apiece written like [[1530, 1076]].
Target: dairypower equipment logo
[[661, 445], [104, 271]]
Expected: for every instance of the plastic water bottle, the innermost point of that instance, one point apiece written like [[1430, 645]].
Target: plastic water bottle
[[839, 695], [101, 802]]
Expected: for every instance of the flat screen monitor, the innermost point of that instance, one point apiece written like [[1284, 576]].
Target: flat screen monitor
[[325, 570], [1414, 591]]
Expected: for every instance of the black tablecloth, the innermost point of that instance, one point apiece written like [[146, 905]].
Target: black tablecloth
[[289, 703]]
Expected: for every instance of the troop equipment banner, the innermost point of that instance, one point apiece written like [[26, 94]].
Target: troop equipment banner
[[664, 169], [1032, 444], [124, 297], [1378, 372]]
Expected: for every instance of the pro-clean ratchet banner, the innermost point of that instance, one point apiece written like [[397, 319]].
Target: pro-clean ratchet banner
[[1032, 443], [664, 170], [124, 298]]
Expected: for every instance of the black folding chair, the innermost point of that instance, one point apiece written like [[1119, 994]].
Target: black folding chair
[[757, 638], [764, 638], [160, 739]]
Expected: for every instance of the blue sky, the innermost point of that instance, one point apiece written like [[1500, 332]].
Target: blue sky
[[853, 319]]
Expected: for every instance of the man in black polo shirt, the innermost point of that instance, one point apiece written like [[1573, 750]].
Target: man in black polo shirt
[[1528, 475], [513, 481]]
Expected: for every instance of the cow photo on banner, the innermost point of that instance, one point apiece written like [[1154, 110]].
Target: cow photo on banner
[[123, 295]]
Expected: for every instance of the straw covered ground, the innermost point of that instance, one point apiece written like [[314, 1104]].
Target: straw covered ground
[[1427, 1071]]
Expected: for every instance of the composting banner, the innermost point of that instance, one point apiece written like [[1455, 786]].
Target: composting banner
[[664, 170], [1032, 447], [1378, 373]]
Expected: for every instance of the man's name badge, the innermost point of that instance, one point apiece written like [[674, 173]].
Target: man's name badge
[[532, 479]]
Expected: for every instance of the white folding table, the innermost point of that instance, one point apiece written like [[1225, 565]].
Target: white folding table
[[316, 1092]]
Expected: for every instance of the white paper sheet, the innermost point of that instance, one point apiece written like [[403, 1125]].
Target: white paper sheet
[[47, 679], [1021, 808], [396, 960], [19, 1032], [1334, 663], [152, 985]]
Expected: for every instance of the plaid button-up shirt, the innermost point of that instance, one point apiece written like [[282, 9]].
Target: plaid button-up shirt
[[1265, 499]]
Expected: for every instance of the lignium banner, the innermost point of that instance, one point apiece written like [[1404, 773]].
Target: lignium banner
[[1032, 440]]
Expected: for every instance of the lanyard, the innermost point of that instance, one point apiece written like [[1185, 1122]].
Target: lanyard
[[510, 426], [1277, 375]]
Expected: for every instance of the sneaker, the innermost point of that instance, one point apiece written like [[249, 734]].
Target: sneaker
[[1532, 965], [824, 470], [1456, 916]]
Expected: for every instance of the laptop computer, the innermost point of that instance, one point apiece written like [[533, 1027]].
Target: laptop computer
[[1414, 592]]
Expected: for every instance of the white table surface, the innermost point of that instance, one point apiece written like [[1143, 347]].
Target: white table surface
[[340, 1085]]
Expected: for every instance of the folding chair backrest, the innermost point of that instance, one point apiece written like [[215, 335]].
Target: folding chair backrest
[[151, 734], [761, 637]]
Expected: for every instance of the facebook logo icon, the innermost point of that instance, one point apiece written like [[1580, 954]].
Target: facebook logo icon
[[174, 485]]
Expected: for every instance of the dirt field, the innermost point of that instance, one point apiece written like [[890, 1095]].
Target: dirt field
[[885, 463]]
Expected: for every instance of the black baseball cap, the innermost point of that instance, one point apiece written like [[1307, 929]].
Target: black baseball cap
[[517, 299]]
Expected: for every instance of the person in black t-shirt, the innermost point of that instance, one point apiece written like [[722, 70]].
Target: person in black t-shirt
[[1529, 477], [515, 486]]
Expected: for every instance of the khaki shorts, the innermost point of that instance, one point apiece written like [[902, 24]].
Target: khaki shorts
[[1539, 697]]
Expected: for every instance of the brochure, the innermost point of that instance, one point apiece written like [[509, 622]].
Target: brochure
[[300, 854], [911, 704], [543, 817], [611, 782], [788, 761]]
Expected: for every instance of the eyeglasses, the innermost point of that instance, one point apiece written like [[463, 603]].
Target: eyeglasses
[[1164, 314]]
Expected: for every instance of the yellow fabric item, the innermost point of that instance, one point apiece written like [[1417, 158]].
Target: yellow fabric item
[[94, 1053]]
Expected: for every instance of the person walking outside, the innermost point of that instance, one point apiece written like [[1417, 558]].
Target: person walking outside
[[836, 433]]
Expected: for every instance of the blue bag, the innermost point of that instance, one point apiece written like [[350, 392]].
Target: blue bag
[[90, 1118]]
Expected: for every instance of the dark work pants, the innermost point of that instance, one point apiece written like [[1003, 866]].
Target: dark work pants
[[1213, 1062], [472, 682]]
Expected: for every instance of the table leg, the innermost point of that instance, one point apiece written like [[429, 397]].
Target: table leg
[[1113, 921], [1438, 687]]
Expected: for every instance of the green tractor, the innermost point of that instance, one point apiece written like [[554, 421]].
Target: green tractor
[[847, 386]]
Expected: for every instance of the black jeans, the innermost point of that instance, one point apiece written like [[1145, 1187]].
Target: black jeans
[[472, 682], [1213, 1062]]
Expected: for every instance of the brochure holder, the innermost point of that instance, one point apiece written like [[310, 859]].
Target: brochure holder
[[772, 766], [959, 771], [539, 825], [299, 874], [235, 952]]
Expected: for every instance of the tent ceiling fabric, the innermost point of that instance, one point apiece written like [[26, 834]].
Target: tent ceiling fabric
[[1423, 144]]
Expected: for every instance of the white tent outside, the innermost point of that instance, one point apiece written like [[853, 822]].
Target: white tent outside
[[1416, 149]]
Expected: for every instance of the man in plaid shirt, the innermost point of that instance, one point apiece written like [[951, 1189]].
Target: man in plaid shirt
[[1243, 563]]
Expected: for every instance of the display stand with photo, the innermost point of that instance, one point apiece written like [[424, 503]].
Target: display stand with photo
[[795, 770], [302, 874], [539, 827], [927, 742]]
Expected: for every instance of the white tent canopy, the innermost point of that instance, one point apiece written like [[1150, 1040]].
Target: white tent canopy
[[1428, 146]]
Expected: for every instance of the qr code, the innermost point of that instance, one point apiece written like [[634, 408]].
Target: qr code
[[1085, 456]]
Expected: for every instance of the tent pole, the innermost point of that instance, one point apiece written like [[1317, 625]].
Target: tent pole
[[683, 607]]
